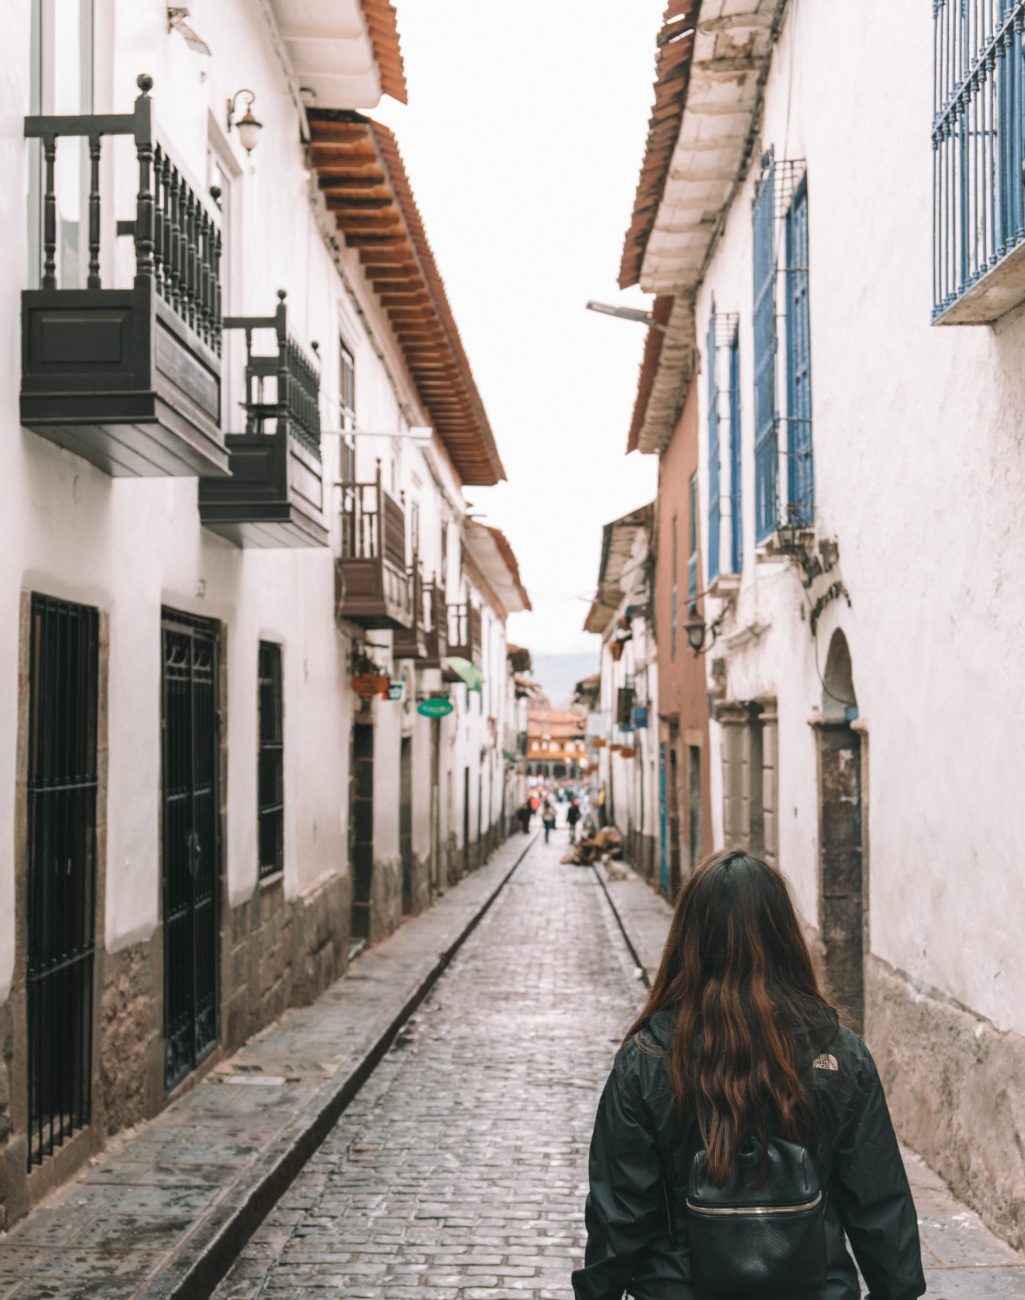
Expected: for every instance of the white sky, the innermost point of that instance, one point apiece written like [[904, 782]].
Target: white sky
[[523, 140]]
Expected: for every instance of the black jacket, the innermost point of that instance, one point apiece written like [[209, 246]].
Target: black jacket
[[636, 1237]]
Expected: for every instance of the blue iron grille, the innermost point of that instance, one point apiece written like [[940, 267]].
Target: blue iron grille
[[977, 138], [800, 464], [714, 475], [766, 437], [692, 550], [736, 516]]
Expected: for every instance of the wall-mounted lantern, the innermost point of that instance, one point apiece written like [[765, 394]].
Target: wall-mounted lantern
[[248, 127], [701, 636]]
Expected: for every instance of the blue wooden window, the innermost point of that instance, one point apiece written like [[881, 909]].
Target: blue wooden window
[[978, 140], [766, 443], [674, 613], [714, 474], [736, 517], [800, 464], [692, 551]]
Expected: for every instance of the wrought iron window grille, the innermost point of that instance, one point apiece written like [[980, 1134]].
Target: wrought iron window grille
[[723, 412], [270, 762], [62, 792], [779, 218], [978, 140]]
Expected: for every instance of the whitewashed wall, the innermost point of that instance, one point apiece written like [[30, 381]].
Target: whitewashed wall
[[919, 440], [130, 546]]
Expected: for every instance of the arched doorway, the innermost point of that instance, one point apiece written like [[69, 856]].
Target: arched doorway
[[841, 887]]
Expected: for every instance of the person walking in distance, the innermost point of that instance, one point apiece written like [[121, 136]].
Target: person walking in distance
[[743, 1130], [523, 816], [572, 817], [548, 819]]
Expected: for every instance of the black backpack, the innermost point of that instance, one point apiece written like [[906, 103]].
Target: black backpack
[[763, 1233]]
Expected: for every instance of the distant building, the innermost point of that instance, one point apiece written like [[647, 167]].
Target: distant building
[[556, 742], [621, 726]]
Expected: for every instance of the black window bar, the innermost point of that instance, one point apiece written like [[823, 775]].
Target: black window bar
[[271, 800], [62, 789]]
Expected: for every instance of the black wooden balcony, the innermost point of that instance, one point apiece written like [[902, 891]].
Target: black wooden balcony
[[411, 642], [372, 585], [128, 378], [464, 633], [437, 629], [275, 495], [427, 639]]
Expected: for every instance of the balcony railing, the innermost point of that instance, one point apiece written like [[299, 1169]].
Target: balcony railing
[[411, 642], [978, 139], [371, 578], [130, 379], [275, 495], [464, 633]]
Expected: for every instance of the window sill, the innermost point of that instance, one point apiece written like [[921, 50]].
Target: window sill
[[274, 878], [992, 295], [724, 586]]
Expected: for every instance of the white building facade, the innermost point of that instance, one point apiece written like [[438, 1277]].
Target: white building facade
[[624, 722], [237, 555], [849, 295]]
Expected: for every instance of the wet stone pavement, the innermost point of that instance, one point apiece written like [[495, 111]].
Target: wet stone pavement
[[460, 1169]]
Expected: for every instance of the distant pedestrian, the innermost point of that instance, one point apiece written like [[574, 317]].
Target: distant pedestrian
[[548, 819], [743, 1130], [572, 817], [523, 815]]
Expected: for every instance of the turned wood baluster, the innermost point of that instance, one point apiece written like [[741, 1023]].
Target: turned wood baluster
[[174, 257], [159, 223], [49, 215], [190, 255], [217, 289], [144, 214], [93, 280]]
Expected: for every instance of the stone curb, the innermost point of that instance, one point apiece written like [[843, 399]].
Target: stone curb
[[645, 947], [201, 1261]]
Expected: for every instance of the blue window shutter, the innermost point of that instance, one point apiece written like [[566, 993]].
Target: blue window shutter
[[714, 503], [736, 517], [692, 557], [800, 463], [766, 453]]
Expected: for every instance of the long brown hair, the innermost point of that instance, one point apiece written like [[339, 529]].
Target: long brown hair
[[738, 976]]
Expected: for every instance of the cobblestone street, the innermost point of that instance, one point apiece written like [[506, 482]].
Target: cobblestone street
[[460, 1170]]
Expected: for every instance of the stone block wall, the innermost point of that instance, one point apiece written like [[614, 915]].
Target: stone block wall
[[131, 1015], [6, 1056], [954, 1085]]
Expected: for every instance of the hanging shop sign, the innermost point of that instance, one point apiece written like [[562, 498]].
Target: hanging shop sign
[[599, 742], [396, 690], [367, 685], [435, 708], [627, 751]]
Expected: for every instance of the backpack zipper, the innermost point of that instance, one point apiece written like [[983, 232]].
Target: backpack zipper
[[754, 1209]]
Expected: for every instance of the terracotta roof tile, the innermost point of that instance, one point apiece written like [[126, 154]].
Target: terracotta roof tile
[[364, 181], [672, 75], [649, 369], [384, 36]]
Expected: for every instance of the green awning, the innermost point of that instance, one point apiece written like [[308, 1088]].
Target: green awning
[[466, 672]]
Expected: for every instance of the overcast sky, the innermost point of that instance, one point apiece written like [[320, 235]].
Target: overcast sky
[[523, 140]]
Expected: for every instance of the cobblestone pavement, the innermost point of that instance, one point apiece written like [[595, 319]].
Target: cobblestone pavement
[[460, 1169]]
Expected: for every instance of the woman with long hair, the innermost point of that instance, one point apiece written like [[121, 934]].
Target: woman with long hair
[[743, 1130]]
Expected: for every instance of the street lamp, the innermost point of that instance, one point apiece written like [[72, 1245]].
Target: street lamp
[[626, 313], [698, 631], [248, 127]]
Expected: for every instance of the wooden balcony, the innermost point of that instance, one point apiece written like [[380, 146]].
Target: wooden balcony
[[130, 378], [464, 633], [372, 586], [411, 642], [437, 631], [275, 495]]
